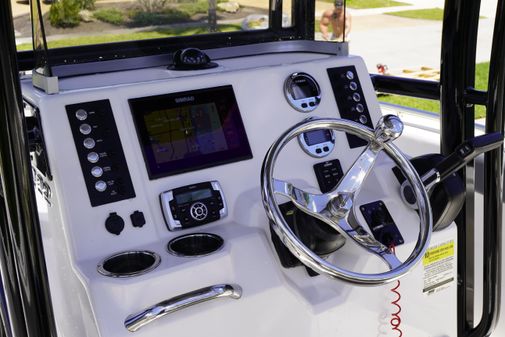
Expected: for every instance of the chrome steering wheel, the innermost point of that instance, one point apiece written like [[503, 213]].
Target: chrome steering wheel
[[334, 208]]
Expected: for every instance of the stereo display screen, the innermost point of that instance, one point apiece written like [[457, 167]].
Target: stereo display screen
[[190, 130]]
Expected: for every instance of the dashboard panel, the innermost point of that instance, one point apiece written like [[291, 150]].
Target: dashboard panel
[[180, 156]]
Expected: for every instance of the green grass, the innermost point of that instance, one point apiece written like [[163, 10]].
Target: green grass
[[481, 78], [107, 38], [111, 15], [360, 4], [424, 14]]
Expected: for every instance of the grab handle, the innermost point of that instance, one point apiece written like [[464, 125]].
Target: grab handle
[[138, 320]]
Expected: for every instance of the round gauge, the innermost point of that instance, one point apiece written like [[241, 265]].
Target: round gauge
[[302, 92], [317, 143]]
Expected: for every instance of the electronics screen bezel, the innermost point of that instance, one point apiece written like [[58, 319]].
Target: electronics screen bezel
[[143, 105]]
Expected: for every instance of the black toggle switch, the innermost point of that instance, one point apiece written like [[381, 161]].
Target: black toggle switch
[[138, 219], [114, 223]]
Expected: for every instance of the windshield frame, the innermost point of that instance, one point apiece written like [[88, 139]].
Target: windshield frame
[[302, 28]]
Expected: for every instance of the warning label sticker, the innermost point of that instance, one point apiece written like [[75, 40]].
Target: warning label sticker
[[439, 267]]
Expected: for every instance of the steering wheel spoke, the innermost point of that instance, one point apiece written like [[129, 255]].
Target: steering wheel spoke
[[307, 202], [353, 179]]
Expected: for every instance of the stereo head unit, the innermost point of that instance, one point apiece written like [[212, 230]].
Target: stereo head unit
[[193, 205], [190, 130]]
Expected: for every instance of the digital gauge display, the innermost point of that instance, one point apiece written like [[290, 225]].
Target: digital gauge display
[[317, 137], [317, 143], [302, 92]]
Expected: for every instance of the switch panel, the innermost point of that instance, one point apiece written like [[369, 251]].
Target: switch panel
[[100, 152], [328, 174], [350, 99], [381, 223]]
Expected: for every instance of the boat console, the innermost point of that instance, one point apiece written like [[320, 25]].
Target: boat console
[[160, 204]]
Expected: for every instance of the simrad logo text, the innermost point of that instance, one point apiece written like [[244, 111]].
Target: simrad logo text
[[184, 99]]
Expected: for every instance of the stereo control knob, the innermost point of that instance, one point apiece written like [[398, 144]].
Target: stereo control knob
[[114, 224], [350, 75]]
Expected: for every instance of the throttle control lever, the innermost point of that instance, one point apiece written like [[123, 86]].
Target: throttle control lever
[[463, 154]]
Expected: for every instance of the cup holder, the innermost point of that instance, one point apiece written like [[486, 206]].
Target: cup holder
[[193, 245], [128, 264]]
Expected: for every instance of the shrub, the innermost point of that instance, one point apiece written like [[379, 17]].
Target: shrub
[[86, 4], [191, 9], [154, 19], [110, 15], [152, 6], [64, 13]]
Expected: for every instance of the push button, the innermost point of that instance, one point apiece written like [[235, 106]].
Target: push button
[[356, 97], [96, 171], [93, 157], [85, 129], [353, 86], [89, 143], [81, 114], [100, 186], [363, 119]]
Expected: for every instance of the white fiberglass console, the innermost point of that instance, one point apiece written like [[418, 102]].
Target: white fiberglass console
[[153, 219]]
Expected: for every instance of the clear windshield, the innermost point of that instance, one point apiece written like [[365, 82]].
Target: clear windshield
[[85, 22]]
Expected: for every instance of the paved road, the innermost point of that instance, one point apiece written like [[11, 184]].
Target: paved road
[[411, 46]]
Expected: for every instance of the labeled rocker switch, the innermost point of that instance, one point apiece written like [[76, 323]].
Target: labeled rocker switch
[[381, 223], [138, 219], [114, 224]]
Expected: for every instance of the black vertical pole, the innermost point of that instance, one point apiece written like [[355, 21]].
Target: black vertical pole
[[23, 271], [212, 16], [459, 40], [493, 183]]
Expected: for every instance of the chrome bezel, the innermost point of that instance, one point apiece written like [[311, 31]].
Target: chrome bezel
[[104, 272], [297, 103], [311, 150], [209, 235]]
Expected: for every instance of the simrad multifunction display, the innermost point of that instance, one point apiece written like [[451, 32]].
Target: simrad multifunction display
[[190, 130]]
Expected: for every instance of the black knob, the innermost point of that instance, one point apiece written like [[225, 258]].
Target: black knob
[[114, 224]]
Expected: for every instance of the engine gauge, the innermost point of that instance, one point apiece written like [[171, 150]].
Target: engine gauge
[[317, 143], [302, 92]]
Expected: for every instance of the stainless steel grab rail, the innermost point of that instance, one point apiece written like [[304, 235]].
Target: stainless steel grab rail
[[138, 320]]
